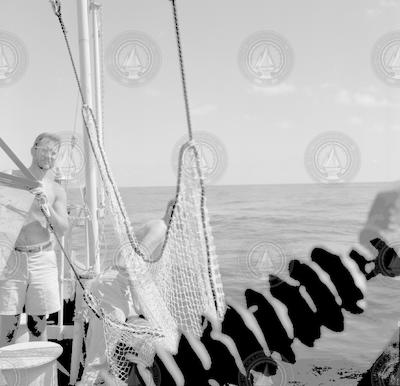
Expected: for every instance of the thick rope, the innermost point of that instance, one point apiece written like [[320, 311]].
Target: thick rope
[[183, 77]]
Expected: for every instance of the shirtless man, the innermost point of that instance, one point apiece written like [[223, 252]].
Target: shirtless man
[[35, 282], [111, 288]]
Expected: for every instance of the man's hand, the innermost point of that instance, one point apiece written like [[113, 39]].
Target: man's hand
[[42, 199]]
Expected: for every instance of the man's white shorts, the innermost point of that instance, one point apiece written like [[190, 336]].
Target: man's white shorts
[[31, 280]]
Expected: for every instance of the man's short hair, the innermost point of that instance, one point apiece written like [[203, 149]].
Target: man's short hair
[[50, 136]]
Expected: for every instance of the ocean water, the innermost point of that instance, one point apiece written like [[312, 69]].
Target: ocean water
[[291, 220]]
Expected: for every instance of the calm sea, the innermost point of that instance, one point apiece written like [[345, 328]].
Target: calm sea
[[288, 221]]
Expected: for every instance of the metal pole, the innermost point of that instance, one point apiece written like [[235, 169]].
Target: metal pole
[[98, 83], [92, 227], [96, 8], [90, 178]]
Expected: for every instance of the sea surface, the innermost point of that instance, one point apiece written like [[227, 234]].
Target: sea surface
[[288, 221]]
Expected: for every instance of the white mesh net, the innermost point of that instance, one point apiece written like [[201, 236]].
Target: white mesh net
[[125, 342], [174, 290], [187, 272]]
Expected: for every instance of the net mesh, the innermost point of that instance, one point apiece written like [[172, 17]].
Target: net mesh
[[125, 342], [173, 290], [187, 272]]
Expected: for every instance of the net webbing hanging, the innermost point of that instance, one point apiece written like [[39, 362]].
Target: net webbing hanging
[[185, 283]]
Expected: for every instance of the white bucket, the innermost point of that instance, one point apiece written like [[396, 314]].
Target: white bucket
[[29, 364]]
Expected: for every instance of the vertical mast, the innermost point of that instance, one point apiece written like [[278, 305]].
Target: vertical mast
[[90, 170], [96, 9]]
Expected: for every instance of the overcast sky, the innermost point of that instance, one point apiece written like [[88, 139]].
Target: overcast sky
[[265, 130]]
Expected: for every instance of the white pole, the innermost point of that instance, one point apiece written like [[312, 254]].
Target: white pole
[[96, 10], [90, 178], [92, 227]]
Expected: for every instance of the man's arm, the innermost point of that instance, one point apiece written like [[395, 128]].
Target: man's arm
[[58, 212], [153, 237]]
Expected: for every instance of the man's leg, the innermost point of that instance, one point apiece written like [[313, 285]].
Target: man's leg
[[37, 327], [42, 295], [8, 329]]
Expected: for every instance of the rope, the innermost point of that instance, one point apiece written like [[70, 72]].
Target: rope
[[56, 7], [183, 77]]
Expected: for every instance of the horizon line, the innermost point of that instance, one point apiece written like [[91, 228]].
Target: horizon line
[[271, 184]]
